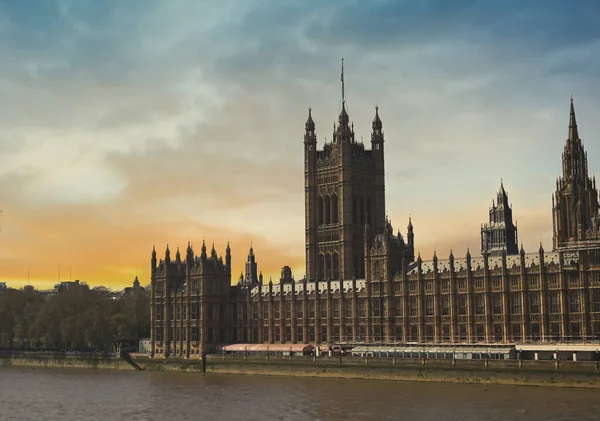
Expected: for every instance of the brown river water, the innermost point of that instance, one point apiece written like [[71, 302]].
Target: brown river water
[[72, 394]]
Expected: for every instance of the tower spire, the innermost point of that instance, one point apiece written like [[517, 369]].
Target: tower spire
[[573, 133], [343, 92]]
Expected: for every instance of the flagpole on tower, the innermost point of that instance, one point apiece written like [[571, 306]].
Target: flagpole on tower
[[342, 79]]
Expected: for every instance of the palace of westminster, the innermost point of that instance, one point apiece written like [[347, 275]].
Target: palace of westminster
[[363, 284]]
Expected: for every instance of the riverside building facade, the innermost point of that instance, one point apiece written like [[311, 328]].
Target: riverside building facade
[[363, 283]]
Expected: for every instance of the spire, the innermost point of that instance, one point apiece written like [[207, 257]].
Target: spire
[[154, 252], [343, 93], [377, 125], [343, 119], [228, 249], [410, 225], [310, 124], [573, 133]]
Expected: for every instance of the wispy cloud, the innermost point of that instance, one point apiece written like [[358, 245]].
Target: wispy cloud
[[131, 123]]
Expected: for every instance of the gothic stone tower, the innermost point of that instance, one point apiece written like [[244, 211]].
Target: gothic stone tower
[[499, 234], [575, 203], [344, 189]]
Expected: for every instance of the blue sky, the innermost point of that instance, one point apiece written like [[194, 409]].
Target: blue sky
[[129, 123]]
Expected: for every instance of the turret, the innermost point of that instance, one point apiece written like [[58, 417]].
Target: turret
[[153, 264], [189, 256], [228, 257], [203, 251], [167, 255], [213, 252], [178, 256], [377, 133]]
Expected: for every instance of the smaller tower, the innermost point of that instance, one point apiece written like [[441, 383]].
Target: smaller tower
[[228, 258], [251, 278], [500, 233]]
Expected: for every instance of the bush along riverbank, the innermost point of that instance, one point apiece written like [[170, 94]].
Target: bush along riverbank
[[584, 374]]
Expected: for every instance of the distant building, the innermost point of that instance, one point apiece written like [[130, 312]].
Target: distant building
[[499, 235], [363, 284], [3, 285], [134, 287]]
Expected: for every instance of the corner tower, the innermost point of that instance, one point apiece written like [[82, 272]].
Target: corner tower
[[575, 202], [499, 235], [344, 190]]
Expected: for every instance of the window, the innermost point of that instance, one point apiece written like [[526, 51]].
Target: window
[[445, 304], [534, 303], [497, 304], [554, 304], [413, 307], [288, 310], [398, 307], [376, 308], [429, 306], [348, 308], [516, 332], [377, 271], [480, 333], [362, 310], [265, 311], [496, 282], [596, 301], [429, 333], [276, 314], [535, 332], [446, 333], [323, 305], [574, 301], [479, 304], [299, 334], [516, 303], [398, 333], [311, 310], [461, 305], [300, 310], [336, 309]]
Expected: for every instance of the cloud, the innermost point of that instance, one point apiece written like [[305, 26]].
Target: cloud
[[132, 123]]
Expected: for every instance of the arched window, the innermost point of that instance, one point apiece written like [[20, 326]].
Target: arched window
[[320, 210], [327, 210], [334, 209], [377, 271], [335, 264], [327, 267], [321, 268]]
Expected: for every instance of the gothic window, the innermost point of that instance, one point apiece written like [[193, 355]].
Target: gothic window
[[334, 209], [348, 308], [445, 304], [497, 304], [516, 304], [288, 310], [554, 302], [462, 305], [336, 266], [377, 271], [336, 309], [300, 310], [574, 302], [479, 304], [362, 307], [398, 307], [321, 268], [596, 301], [376, 308], [320, 210], [429, 306], [327, 267], [413, 307], [323, 309], [534, 303]]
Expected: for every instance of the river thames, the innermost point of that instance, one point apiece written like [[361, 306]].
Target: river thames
[[71, 394]]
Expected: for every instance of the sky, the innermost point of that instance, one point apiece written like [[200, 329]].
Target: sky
[[128, 124]]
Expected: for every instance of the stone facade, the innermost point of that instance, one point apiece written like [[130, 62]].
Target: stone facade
[[363, 284]]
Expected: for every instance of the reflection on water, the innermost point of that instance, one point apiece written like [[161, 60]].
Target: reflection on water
[[54, 394]]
